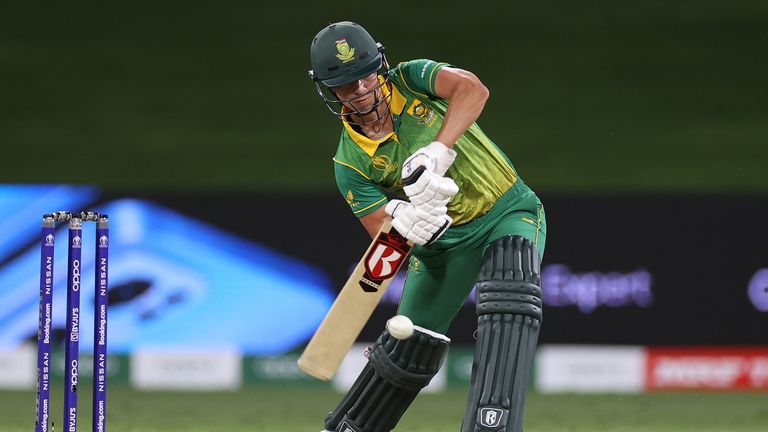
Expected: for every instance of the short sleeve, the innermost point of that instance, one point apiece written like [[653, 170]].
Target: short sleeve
[[362, 195], [420, 75]]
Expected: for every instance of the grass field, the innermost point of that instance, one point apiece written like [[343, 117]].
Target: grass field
[[260, 409]]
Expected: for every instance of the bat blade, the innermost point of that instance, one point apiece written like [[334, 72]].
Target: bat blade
[[355, 304]]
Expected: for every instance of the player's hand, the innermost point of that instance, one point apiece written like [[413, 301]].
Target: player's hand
[[415, 224], [435, 157], [423, 177], [430, 191]]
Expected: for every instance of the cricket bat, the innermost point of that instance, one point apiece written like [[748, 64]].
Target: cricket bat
[[355, 303]]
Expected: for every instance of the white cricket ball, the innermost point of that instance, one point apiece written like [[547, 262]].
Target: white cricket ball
[[400, 327]]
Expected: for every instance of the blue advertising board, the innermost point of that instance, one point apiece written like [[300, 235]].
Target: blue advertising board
[[175, 283]]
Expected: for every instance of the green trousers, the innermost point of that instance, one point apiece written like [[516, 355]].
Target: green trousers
[[442, 275]]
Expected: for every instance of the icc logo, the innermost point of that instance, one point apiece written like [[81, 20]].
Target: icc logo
[[491, 417], [103, 241], [49, 240], [76, 241]]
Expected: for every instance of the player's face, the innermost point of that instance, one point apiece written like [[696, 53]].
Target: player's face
[[360, 96]]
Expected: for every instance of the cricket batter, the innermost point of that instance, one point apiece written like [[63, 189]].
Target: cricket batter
[[410, 150]]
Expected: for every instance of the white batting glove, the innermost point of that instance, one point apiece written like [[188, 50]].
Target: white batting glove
[[430, 192], [435, 157], [416, 224], [423, 177]]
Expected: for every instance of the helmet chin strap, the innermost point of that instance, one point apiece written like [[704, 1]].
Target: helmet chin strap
[[350, 115], [337, 106], [374, 108]]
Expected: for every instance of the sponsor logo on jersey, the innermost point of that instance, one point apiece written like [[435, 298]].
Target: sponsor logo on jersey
[[346, 53]]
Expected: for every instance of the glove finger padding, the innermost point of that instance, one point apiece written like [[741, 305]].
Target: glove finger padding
[[447, 221], [430, 188], [415, 224], [422, 233], [395, 206], [433, 209]]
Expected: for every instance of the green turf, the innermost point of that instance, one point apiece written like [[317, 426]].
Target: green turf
[[301, 410], [600, 95]]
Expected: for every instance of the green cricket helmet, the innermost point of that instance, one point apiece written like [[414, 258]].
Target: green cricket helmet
[[343, 53]]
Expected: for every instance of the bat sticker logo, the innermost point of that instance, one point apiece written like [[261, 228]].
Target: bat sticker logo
[[383, 261]]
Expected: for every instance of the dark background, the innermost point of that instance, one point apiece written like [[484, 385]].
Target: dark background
[[589, 97], [695, 247]]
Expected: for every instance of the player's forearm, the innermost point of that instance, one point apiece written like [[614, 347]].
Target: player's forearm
[[464, 107], [373, 221]]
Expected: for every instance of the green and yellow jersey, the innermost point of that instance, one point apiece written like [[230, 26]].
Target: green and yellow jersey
[[368, 171]]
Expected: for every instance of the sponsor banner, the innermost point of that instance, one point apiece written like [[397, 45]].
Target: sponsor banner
[[84, 365], [117, 367], [354, 362], [276, 369], [707, 368], [590, 369], [186, 370], [458, 365], [18, 367]]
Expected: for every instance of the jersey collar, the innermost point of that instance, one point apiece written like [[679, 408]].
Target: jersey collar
[[396, 107]]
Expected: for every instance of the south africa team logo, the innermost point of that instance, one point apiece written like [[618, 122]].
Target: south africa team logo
[[422, 112], [346, 53]]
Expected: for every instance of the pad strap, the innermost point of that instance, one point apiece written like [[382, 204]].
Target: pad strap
[[509, 297]]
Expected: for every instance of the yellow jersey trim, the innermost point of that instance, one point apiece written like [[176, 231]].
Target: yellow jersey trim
[[368, 145], [398, 101], [350, 166], [433, 72], [376, 203], [538, 223]]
